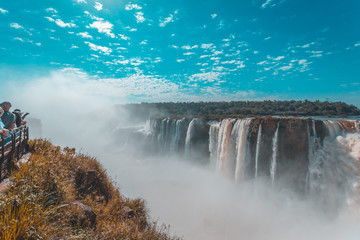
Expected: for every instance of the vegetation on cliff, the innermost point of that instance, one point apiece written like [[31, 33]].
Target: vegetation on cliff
[[245, 108], [59, 194]]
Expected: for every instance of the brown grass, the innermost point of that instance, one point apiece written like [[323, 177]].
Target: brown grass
[[39, 205]]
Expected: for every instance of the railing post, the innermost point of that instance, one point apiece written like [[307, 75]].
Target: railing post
[[13, 151], [19, 151], [2, 156]]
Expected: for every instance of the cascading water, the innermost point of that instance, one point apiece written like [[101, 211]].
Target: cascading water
[[243, 150], [258, 142], [223, 140], [242, 129], [213, 140], [274, 154], [189, 133]]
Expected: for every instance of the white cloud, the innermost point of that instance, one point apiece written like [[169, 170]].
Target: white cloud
[[3, 11], [132, 6], [98, 6], [123, 62], [139, 17], [74, 46], [180, 60], [167, 20], [207, 46], [145, 42], [228, 62], [217, 53], [136, 61], [19, 39], [38, 44], [206, 77], [60, 23], [16, 25], [214, 15], [101, 49], [50, 19], [85, 35], [266, 3], [215, 58], [189, 53], [357, 44], [81, 1], [93, 17], [123, 37], [51, 10], [286, 68], [188, 47], [103, 27]]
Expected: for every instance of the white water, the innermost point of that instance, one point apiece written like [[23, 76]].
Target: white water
[[275, 154], [213, 142], [189, 136], [241, 146], [258, 142]]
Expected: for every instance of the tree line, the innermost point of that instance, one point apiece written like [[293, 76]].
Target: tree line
[[245, 108]]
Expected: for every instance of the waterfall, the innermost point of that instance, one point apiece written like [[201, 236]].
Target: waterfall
[[275, 152], [322, 159], [176, 137], [242, 128], [188, 138], [258, 142], [213, 140], [223, 140]]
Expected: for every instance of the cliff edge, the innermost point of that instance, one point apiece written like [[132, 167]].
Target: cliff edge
[[60, 194]]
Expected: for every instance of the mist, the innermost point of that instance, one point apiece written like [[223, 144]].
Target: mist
[[196, 201]]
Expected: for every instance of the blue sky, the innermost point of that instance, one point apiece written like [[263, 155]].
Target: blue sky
[[182, 50]]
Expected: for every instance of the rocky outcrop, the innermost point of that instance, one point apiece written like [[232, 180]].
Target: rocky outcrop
[[83, 216]]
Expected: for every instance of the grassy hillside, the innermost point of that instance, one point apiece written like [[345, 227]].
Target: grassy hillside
[[63, 195]]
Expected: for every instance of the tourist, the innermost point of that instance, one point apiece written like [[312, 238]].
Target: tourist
[[3, 131], [7, 118], [19, 119]]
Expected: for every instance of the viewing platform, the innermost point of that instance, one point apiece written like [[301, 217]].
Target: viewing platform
[[12, 148]]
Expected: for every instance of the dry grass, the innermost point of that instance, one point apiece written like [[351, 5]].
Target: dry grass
[[40, 204]]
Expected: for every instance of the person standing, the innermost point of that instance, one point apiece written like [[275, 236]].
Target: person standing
[[3, 131], [19, 119], [7, 118]]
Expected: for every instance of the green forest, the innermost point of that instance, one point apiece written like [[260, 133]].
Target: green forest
[[244, 108]]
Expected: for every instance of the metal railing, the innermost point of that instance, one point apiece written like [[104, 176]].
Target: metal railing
[[12, 148]]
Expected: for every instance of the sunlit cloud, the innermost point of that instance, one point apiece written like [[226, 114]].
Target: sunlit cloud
[[140, 17], [3, 11], [98, 6], [103, 27], [51, 10], [101, 49], [131, 6], [16, 25], [85, 35]]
